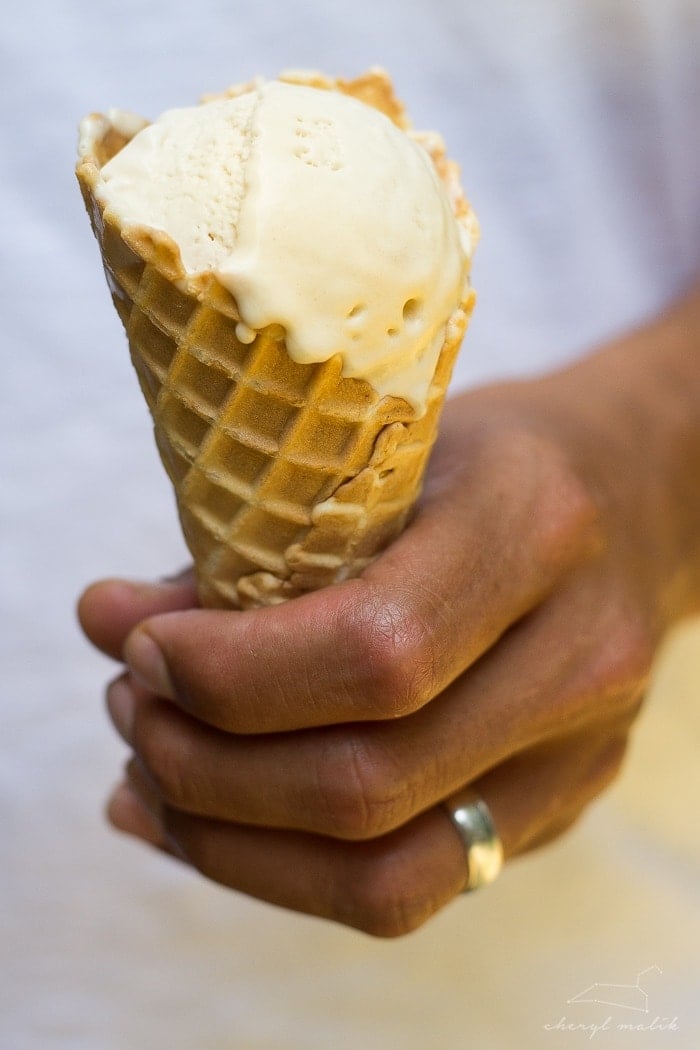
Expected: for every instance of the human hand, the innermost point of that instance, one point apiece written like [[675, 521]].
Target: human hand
[[301, 753]]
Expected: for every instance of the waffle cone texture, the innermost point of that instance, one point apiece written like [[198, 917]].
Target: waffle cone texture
[[288, 477]]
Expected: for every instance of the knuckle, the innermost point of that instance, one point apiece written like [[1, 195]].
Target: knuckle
[[356, 789], [561, 508], [387, 899], [610, 764], [549, 834], [567, 519], [390, 647], [624, 661], [610, 682]]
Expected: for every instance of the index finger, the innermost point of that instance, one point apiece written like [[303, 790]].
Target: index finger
[[383, 645]]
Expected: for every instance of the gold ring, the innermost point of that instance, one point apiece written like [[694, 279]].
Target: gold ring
[[472, 819]]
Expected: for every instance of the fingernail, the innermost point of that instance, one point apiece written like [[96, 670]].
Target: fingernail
[[126, 813], [121, 705], [146, 662]]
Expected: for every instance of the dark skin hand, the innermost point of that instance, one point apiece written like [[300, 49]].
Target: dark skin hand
[[301, 753]]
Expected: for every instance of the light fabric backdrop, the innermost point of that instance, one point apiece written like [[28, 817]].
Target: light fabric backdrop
[[576, 127]]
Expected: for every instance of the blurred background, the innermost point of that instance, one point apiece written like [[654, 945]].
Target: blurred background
[[107, 945]]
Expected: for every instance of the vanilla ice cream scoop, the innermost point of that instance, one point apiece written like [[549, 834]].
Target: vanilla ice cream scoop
[[317, 213]]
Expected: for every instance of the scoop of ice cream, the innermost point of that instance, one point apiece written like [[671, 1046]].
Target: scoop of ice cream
[[318, 213]]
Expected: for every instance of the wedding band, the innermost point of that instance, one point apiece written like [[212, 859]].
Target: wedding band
[[473, 821]]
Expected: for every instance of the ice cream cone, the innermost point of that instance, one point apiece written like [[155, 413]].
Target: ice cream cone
[[288, 476]]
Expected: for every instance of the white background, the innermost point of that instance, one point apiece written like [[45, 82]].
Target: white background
[[575, 128]]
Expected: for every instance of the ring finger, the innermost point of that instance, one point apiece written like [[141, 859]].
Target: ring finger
[[389, 885]]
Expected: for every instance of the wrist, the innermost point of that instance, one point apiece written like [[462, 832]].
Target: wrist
[[643, 395], [672, 380]]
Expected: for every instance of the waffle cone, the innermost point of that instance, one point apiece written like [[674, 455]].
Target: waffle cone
[[288, 476]]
